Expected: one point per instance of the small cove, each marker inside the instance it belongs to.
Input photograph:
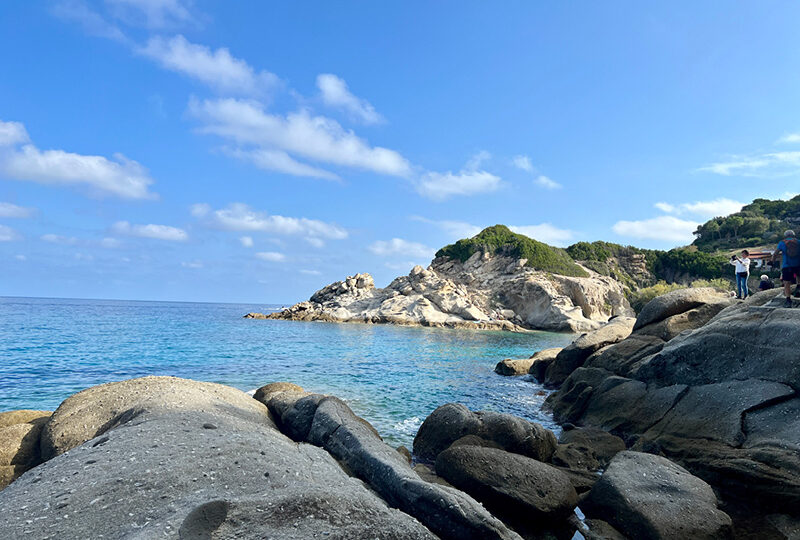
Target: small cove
(393, 376)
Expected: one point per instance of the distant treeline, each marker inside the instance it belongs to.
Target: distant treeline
(760, 223)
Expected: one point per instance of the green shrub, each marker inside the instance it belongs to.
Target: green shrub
(638, 299)
(499, 239)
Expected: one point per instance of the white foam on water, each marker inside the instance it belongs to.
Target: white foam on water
(408, 426)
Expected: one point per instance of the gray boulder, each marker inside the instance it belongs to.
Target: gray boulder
(575, 354)
(509, 484)
(676, 302)
(542, 361)
(647, 496)
(602, 444)
(197, 460)
(513, 366)
(445, 511)
(452, 421)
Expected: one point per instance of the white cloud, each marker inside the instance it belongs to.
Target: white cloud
(192, 264)
(523, 163)
(200, 209)
(790, 138)
(398, 246)
(8, 210)
(218, 68)
(546, 182)
(153, 13)
(313, 137)
(7, 234)
(120, 177)
(246, 241)
(58, 239)
(441, 186)
(271, 256)
(666, 207)
(706, 209)
(476, 162)
(240, 217)
(316, 242)
(280, 161)
(110, 243)
(13, 133)
(664, 228)
(453, 229)
(772, 164)
(158, 232)
(545, 232)
(335, 93)
(311, 272)
(92, 22)
(20, 257)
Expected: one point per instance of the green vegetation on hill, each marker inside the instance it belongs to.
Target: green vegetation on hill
(758, 224)
(499, 239)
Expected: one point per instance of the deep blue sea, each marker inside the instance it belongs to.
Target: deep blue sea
(391, 375)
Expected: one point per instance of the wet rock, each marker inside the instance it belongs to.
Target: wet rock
(509, 484)
(647, 496)
(452, 421)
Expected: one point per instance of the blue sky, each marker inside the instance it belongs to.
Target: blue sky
(178, 150)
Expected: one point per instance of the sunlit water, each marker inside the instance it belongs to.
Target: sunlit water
(392, 376)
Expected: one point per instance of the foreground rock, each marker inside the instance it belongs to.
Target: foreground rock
(535, 365)
(19, 442)
(575, 354)
(166, 457)
(518, 488)
(647, 496)
(487, 291)
(720, 397)
(327, 422)
(450, 422)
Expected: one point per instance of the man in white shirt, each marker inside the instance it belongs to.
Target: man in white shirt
(742, 273)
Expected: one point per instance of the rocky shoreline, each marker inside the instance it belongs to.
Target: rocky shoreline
(681, 423)
(488, 291)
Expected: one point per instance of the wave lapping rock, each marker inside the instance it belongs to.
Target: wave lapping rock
(487, 291)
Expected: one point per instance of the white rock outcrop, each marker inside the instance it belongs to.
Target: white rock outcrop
(485, 292)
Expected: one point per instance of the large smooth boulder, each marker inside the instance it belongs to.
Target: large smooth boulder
(197, 460)
(575, 354)
(602, 444)
(647, 496)
(92, 412)
(22, 416)
(513, 366)
(445, 511)
(509, 484)
(541, 361)
(679, 301)
(452, 421)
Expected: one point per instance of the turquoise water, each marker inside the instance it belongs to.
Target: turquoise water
(392, 376)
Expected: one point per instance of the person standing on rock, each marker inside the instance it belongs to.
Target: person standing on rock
(789, 247)
(742, 273)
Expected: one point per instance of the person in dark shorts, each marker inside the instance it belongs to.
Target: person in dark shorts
(789, 247)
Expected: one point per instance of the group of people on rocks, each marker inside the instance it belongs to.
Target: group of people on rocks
(789, 249)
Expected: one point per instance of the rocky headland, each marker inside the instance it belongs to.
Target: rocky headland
(502, 281)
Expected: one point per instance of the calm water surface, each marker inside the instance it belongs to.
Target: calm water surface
(392, 376)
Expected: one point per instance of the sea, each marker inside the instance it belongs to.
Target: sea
(393, 376)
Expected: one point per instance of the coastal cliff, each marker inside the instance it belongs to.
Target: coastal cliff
(510, 283)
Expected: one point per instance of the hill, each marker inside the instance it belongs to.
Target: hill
(760, 223)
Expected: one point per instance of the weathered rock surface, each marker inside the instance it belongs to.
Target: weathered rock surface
(359, 449)
(721, 398)
(513, 366)
(197, 460)
(542, 361)
(452, 421)
(19, 442)
(647, 496)
(575, 354)
(602, 445)
(509, 484)
(486, 292)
